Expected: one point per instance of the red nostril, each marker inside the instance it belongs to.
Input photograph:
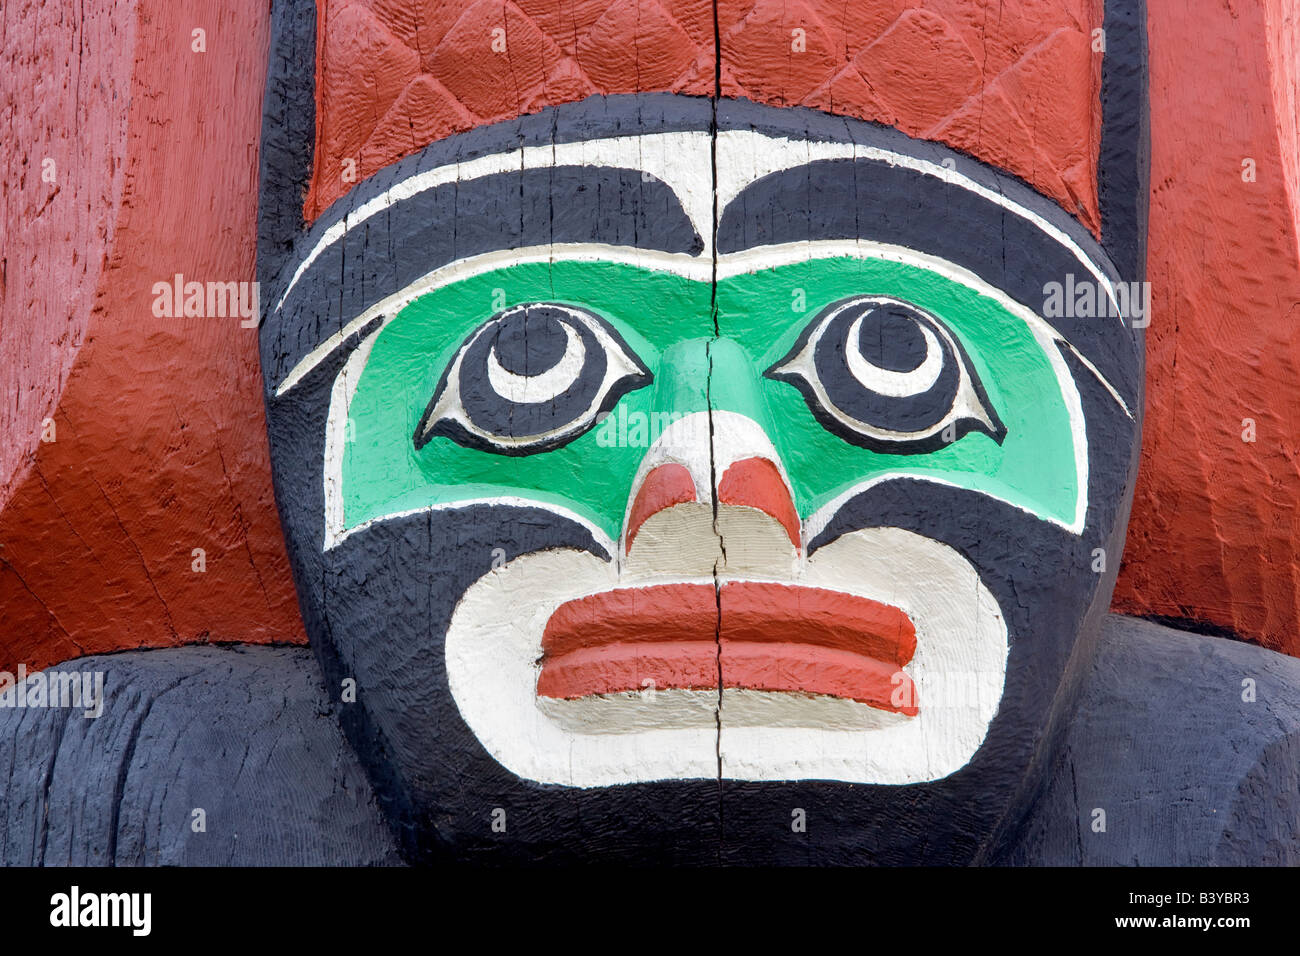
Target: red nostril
(662, 487)
(756, 483)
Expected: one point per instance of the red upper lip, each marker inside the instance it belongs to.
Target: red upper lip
(774, 637)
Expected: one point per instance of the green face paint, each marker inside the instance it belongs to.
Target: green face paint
(1034, 466)
(666, 320)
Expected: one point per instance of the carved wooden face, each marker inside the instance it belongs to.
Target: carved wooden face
(647, 467)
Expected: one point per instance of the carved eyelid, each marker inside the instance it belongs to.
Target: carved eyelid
(918, 406)
(480, 402)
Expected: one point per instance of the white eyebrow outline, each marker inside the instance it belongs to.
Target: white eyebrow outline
(667, 156)
(780, 153)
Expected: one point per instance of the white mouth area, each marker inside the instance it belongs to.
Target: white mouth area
(493, 647)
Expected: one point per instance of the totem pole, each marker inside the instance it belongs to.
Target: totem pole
(701, 434)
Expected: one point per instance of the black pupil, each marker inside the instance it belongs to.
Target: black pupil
(891, 339)
(531, 341)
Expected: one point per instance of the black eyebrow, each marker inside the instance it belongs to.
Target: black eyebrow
(500, 211)
(873, 199)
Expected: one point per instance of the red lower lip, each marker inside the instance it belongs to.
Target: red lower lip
(777, 638)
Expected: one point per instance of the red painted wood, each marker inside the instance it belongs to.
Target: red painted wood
(662, 487)
(693, 665)
(773, 637)
(53, 234)
(756, 483)
(1215, 531)
(160, 438)
(1015, 85)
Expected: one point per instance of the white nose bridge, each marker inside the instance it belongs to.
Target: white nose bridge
(684, 442)
(737, 437)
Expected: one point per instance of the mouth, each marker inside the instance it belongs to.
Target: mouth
(570, 670)
(776, 637)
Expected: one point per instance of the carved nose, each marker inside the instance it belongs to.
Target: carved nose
(673, 527)
(757, 483)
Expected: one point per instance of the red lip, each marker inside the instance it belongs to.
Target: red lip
(777, 637)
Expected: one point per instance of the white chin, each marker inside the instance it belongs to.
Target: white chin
(493, 649)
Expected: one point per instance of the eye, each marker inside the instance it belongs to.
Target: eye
(889, 376)
(530, 379)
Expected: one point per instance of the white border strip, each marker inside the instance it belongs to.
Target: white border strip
(683, 161)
